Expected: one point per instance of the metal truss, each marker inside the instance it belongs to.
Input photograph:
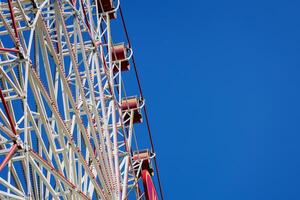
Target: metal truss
(66, 125)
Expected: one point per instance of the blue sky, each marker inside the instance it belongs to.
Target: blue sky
(221, 79)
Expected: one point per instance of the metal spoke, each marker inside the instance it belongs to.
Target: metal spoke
(66, 123)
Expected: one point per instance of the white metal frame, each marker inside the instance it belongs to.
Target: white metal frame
(62, 134)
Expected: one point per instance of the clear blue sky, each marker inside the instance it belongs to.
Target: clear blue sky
(221, 79)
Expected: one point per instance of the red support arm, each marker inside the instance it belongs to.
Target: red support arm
(12, 124)
(11, 152)
(13, 18)
(9, 50)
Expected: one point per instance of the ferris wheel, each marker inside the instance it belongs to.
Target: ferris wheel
(66, 121)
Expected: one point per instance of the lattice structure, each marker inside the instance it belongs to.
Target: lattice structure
(66, 125)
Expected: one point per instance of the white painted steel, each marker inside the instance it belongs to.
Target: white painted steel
(64, 97)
